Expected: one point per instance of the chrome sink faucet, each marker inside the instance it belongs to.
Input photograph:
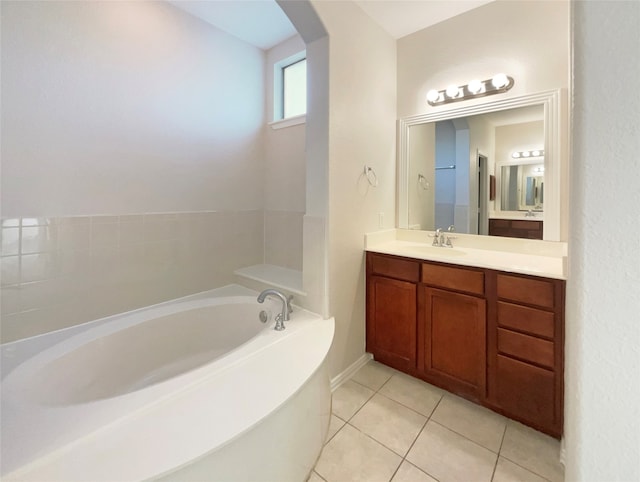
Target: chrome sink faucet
(442, 240)
(286, 306)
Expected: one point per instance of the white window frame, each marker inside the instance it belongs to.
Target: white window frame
(278, 92)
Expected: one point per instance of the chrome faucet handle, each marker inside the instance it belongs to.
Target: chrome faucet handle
(289, 303)
(436, 237)
(448, 242)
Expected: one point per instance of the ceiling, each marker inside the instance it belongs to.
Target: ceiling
(263, 23)
(403, 17)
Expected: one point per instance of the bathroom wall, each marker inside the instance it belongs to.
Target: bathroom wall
(361, 123)
(602, 413)
(527, 40)
(284, 174)
(518, 137)
(422, 195)
(132, 172)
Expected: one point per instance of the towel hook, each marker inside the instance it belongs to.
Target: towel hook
(424, 184)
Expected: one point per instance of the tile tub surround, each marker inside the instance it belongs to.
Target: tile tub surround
(525, 256)
(62, 271)
(388, 426)
(283, 239)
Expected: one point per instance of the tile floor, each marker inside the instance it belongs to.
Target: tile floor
(387, 426)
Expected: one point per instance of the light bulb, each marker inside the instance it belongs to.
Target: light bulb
(515, 155)
(525, 154)
(433, 95)
(535, 153)
(475, 86)
(499, 81)
(452, 91)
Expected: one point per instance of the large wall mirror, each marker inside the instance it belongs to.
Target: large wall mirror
(457, 167)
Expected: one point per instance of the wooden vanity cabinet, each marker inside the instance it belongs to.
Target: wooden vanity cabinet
(525, 350)
(515, 228)
(493, 337)
(452, 320)
(391, 310)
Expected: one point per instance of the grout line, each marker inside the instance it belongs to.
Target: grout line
(466, 438)
(493, 474)
(525, 468)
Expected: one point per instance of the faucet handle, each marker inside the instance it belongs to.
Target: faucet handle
(436, 237)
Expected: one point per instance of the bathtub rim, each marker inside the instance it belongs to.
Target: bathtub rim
(319, 337)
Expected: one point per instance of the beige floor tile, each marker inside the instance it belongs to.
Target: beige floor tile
(315, 478)
(410, 473)
(477, 423)
(412, 393)
(348, 399)
(507, 471)
(335, 424)
(532, 450)
(352, 456)
(393, 425)
(448, 456)
(373, 375)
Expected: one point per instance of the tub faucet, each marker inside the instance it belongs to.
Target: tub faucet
(286, 306)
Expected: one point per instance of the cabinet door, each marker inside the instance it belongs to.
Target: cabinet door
(455, 341)
(526, 392)
(391, 321)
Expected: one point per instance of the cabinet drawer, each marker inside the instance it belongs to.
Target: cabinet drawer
(526, 290)
(394, 267)
(523, 318)
(527, 225)
(458, 279)
(499, 223)
(526, 347)
(526, 392)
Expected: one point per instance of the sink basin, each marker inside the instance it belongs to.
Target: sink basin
(436, 251)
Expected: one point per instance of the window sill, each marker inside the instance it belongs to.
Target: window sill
(291, 121)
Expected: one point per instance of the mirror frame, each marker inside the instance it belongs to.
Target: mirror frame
(551, 100)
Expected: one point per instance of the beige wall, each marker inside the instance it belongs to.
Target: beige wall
(362, 81)
(284, 174)
(132, 159)
(602, 394)
(422, 162)
(526, 40)
(126, 107)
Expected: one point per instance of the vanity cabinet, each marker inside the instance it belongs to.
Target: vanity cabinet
(525, 356)
(492, 337)
(452, 320)
(391, 310)
(515, 228)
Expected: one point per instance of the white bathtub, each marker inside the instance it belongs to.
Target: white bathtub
(193, 389)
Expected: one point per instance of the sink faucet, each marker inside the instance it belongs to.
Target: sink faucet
(286, 306)
(441, 240)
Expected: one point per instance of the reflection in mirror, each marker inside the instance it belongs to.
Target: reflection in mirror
(449, 163)
(522, 187)
(494, 131)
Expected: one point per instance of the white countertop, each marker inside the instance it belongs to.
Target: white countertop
(532, 257)
(517, 215)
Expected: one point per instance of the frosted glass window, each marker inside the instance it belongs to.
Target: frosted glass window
(294, 86)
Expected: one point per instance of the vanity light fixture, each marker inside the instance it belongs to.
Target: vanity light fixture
(476, 88)
(525, 154)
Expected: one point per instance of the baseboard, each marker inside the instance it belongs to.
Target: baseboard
(351, 369)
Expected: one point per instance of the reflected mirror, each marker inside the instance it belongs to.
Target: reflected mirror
(522, 187)
(458, 168)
